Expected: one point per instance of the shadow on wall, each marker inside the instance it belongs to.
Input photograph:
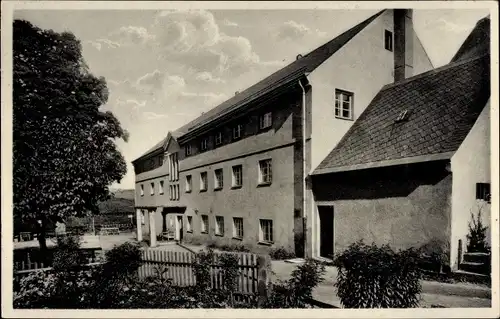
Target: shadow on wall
(377, 183)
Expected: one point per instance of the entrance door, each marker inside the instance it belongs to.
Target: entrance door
(326, 231)
(178, 228)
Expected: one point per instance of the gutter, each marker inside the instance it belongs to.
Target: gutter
(304, 174)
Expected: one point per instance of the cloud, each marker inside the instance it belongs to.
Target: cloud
(131, 35)
(130, 102)
(160, 83)
(292, 30)
(229, 23)
(208, 77)
(154, 116)
(99, 44)
(208, 98)
(450, 26)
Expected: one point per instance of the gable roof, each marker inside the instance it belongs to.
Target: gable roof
(442, 106)
(294, 70)
(477, 42)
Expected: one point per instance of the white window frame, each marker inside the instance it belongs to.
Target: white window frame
(218, 183)
(265, 178)
(205, 226)
(237, 130)
(204, 144)
(142, 189)
(160, 187)
(188, 149)
(237, 182)
(219, 225)
(340, 102)
(152, 188)
(264, 236)
(266, 120)
(189, 224)
(203, 181)
(189, 183)
(218, 138)
(236, 228)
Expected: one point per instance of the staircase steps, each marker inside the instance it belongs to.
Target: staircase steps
(478, 263)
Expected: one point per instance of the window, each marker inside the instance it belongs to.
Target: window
(173, 167)
(483, 191)
(388, 40)
(204, 224)
(266, 230)
(189, 183)
(171, 192)
(219, 225)
(218, 138)
(237, 180)
(188, 149)
(237, 227)
(142, 190)
(265, 172)
(189, 226)
(203, 181)
(219, 179)
(237, 131)
(204, 144)
(343, 104)
(266, 120)
(160, 187)
(152, 187)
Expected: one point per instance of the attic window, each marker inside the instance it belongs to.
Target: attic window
(403, 116)
(299, 56)
(483, 192)
(388, 40)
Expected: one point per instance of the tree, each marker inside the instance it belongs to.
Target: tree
(64, 151)
(476, 239)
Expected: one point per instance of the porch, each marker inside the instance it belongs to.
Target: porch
(160, 225)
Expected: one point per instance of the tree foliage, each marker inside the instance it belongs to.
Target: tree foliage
(64, 151)
(476, 238)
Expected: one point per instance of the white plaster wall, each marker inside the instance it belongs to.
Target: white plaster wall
(470, 165)
(363, 66)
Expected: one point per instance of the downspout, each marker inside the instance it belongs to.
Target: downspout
(304, 173)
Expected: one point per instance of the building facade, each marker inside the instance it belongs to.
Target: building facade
(238, 173)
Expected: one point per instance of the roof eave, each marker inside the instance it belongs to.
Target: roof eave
(387, 163)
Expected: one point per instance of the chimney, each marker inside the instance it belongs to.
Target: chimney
(403, 44)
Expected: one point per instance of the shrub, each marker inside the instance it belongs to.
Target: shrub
(476, 238)
(377, 277)
(68, 254)
(297, 291)
(235, 247)
(436, 254)
(281, 253)
(124, 259)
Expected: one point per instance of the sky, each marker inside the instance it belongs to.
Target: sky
(164, 68)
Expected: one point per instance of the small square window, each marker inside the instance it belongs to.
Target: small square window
(218, 138)
(152, 188)
(266, 230)
(266, 120)
(188, 149)
(344, 104)
(219, 225)
(203, 181)
(189, 225)
(483, 192)
(237, 131)
(142, 190)
(204, 144)
(204, 224)
(218, 179)
(388, 40)
(265, 172)
(160, 187)
(238, 227)
(189, 183)
(237, 178)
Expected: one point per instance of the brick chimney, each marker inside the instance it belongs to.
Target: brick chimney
(403, 44)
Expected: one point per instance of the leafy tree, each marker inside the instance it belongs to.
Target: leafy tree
(64, 148)
(476, 239)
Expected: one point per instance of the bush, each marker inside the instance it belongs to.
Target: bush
(377, 277)
(297, 291)
(476, 238)
(68, 254)
(281, 253)
(435, 256)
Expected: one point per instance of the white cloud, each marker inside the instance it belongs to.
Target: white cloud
(229, 23)
(293, 30)
(154, 116)
(208, 98)
(130, 35)
(99, 44)
(131, 102)
(208, 77)
(450, 26)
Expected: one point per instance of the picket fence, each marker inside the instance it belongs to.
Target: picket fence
(178, 266)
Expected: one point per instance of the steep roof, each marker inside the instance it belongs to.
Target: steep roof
(304, 65)
(442, 105)
(477, 43)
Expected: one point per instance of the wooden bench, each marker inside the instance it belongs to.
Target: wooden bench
(168, 235)
(110, 231)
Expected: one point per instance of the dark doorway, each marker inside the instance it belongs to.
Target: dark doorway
(164, 222)
(326, 231)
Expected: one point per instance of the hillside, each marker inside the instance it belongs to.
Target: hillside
(121, 203)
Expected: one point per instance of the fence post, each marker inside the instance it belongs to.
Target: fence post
(459, 252)
(263, 268)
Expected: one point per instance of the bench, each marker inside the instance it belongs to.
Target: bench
(168, 235)
(110, 231)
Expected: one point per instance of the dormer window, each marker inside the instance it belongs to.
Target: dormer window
(204, 144)
(237, 131)
(218, 138)
(388, 40)
(344, 104)
(266, 120)
(188, 149)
